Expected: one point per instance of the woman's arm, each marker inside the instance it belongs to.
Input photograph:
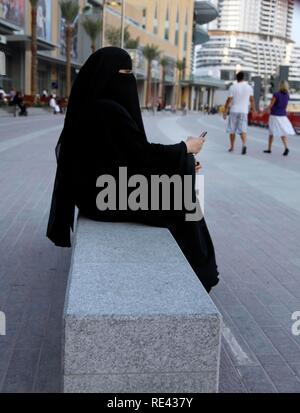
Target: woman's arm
(136, 150)
(272, 103)
(227, 106)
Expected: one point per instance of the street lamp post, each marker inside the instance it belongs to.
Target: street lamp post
(103, 23)
(114, 3)
(123, 23)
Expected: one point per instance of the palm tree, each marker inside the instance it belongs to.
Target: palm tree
(164, 62)
(180, 66)
(34, 62)
(151, 52)
(69, 12)
(113, 37)
(92, 28)
(132, 43)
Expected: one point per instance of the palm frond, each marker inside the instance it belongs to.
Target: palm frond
(113, 36)
(180, 65)
(151, 52)
(164, 62)
(34, 3)
(69, 10)
(92, 27)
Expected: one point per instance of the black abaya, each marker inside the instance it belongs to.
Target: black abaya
(105, 133)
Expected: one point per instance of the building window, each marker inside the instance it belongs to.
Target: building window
(185, 33)
(167, 24)
(185, 42)
(177, 29)
(155, 23)
(144, 18)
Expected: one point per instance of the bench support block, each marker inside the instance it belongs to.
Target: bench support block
(136, 317)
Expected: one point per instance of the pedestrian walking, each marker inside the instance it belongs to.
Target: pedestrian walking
(12, 93)
(104, 131)
(237, 104)
(2, 95)
(279, 124)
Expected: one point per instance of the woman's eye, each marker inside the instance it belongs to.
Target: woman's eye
(125, 71)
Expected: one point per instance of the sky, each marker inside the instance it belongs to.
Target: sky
(296, 23)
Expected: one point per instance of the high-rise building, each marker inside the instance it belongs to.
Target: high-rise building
(253, 36)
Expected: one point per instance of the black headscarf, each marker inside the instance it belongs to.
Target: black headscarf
(99, 78)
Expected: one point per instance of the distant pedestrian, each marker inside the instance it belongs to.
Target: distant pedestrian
(19, 101)
(53, 104)
(184, 109)
(12, 94)
(2, 95)
(279, 124)
(240, 96)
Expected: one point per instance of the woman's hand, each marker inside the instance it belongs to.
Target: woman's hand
(198, 166)
(194, 145)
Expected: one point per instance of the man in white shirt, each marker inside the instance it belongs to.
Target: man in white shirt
(53, 104)
(240, 97)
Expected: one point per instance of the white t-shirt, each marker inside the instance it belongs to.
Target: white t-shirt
(240, 93)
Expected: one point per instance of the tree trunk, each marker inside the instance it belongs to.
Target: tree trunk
(34, 62)
(179, 89)
(148, 94)
(69, 34)
(93, 47)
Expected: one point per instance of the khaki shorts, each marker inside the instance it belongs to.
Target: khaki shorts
(237, 123)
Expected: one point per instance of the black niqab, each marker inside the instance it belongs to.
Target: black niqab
(99, 78)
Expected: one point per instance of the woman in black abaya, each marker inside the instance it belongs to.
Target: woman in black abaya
(104, 131)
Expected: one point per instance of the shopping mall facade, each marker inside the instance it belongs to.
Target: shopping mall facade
(175, 26)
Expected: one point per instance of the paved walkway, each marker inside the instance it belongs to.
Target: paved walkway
(252, 207)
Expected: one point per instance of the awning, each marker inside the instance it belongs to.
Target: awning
(205, 81)
(200, 35)
(8, 28)
(19, 39)
(205, 12)
(57, 60)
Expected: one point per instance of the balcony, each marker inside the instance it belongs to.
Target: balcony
(200, 35)
(205, 12)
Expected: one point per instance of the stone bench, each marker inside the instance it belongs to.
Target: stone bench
(136, 317)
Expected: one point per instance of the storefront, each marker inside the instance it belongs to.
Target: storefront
(17, 46)
(12, 20)
(199, 91)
